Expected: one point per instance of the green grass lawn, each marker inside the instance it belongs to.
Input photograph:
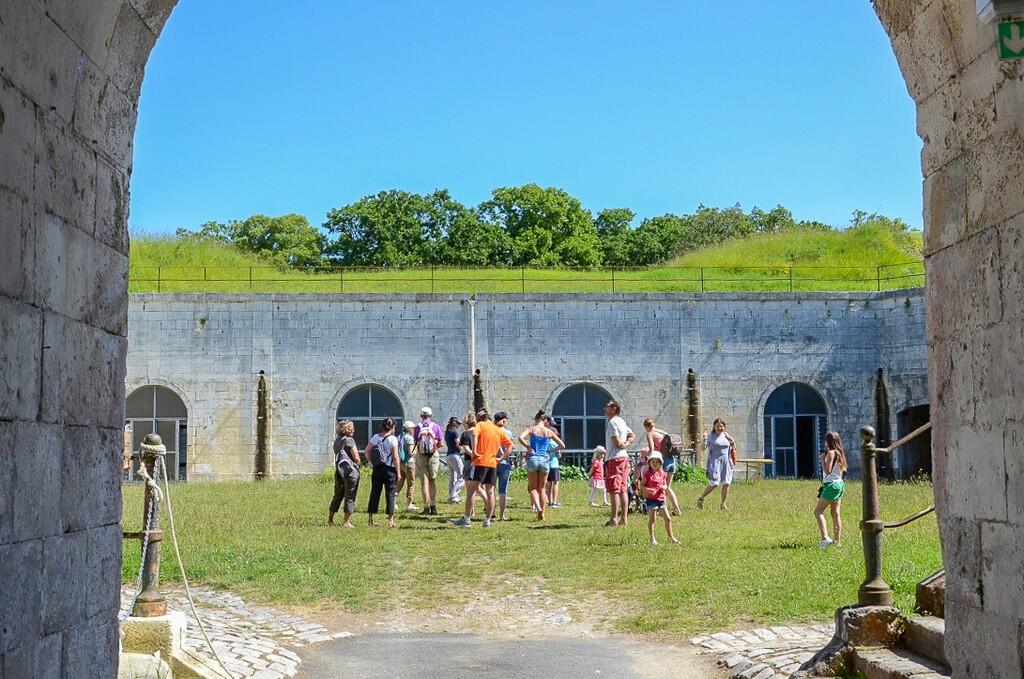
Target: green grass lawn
(856, 260)
(756, 564)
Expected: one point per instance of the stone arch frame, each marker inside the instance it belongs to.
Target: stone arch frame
(823, 391)
(601, 384)
(134, 385)
(342, 391)
(70, 95)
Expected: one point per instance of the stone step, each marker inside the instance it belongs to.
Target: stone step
(931, 595)
(925, 635)
(897, 663)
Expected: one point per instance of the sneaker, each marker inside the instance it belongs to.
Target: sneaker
(556, 505)
(654, 543)
(825, 544)
(594, 504)
(487, 523)
(411, 507)
(433, 510)
(426, 510)
(462, 522)
(674, 541)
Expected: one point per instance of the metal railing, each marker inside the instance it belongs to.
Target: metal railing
(449, 280)
(874, 591)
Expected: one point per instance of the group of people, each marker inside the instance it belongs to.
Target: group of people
(479, 460)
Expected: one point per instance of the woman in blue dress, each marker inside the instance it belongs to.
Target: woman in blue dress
(721, 448)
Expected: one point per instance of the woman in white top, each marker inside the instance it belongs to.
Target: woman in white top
(833, 464)
(721, 448)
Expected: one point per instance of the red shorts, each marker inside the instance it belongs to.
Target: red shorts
(616, 475)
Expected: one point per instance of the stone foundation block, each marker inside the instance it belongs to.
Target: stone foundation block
(163, 633)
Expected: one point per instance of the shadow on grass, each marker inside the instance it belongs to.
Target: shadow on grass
(552, 526)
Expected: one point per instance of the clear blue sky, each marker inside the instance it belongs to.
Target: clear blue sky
(259, 106)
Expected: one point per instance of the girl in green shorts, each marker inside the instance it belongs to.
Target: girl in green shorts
(833, 464)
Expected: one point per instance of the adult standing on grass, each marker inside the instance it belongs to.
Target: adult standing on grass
(555, 467)
(466, 446)
(346, 473)
(505, 466)
(490, 444)
(407, 451)
(453, 459)
(830, 495)
(721, 458)
(537, 441)
(618, 438)
(428, 441)
(383, 454)
(659, 440)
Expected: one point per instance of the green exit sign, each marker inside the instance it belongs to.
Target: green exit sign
(1011, 40)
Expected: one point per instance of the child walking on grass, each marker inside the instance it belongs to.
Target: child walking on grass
(653, 483)
(597, 477)
(830, 495)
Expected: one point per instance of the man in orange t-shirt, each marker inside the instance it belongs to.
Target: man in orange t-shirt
(490, 447)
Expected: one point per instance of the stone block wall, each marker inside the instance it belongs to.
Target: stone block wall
(971, 120)
(69, 80)
(211, 349)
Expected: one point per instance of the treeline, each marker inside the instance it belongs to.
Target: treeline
(518, 226)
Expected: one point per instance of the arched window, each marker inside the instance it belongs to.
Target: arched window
(795, 422)
(579, 412)
(157, 409)
(367, 405)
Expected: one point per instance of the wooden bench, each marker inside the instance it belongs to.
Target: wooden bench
(759, 464)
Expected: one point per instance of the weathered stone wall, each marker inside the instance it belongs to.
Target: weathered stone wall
(69, 80)
(314, 348)
(971, 119)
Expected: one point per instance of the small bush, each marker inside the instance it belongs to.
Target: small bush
(689, 473)
(326, 476)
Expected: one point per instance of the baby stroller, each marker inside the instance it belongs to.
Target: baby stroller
(636, 503)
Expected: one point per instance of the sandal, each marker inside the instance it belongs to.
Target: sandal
(700, 503)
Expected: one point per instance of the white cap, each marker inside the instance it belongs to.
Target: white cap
(655, 456)
(425, 411)
(600, 449)
(408, 425)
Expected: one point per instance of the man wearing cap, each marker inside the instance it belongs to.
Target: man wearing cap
(407, 456)
(428, 437)
(491, 446)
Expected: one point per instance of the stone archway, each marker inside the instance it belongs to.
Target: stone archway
(70, 75)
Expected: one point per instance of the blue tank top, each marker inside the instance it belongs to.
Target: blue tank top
(539, 446)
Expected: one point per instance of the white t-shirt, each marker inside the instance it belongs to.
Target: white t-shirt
(616, 426)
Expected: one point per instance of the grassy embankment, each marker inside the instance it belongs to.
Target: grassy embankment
(804, 261)
(756, 564)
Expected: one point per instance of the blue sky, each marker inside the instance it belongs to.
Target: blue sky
(259, 106)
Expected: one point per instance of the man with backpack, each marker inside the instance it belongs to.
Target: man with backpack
(428, 437)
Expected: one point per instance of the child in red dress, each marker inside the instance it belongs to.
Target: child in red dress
(597, 477)
(653, 482)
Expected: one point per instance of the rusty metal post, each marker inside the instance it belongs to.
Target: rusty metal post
(693, 415)
(873, 591)
(150, 602)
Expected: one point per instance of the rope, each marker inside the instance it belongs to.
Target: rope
(184, 578)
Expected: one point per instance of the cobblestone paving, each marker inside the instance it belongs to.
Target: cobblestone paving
(767, 652)
(252, 641)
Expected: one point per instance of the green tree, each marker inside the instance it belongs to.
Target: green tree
(288, 240)
(545, 226)
(385, 229)
(617, 237)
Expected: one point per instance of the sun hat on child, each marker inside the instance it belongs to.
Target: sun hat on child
(408, 425)
(655, 456)
(600, 449)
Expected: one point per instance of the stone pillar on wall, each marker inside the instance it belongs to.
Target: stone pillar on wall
(971, 120)
(69, 80)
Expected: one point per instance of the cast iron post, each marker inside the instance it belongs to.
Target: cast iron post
(150, 602)
(873, 591)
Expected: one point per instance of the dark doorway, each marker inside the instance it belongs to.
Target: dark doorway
(795, 421)
(915, 456)
(806, 447)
